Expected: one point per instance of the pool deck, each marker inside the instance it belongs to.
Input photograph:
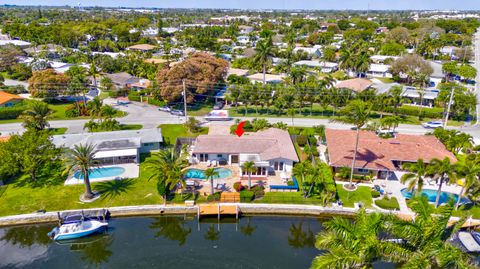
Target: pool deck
(204, 185)
(132, 170)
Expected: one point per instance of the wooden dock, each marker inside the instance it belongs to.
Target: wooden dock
(218, 210)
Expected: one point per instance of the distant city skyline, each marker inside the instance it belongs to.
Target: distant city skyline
(266, 4)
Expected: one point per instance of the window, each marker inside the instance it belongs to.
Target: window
(360, 170)
(219, 155)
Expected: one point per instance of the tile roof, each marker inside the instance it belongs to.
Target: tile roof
(4, 138)
(269, 144)
(141, 47)
(377, 153)
(6, 97)
(355, 84)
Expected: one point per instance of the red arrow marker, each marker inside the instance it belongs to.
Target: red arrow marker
(240, 130)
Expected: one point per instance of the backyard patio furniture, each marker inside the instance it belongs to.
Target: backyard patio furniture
(220, 187)
(209, 163)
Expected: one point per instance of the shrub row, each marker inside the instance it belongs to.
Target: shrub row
(8, 113)
(428, 112)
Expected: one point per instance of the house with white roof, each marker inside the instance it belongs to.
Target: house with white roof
(269, 78)
(380, 59)
(315, 51)
(271, 150)
(379, 71)
(118, 147)
(325, 67)
(22, 44)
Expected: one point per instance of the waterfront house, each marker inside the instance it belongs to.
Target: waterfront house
(8, 99)
(118, 147)
(271, 150)
(382, 157)
(122, 80)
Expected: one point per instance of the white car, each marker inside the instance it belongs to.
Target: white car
(432, 124)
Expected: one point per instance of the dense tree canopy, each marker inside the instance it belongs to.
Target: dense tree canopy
(201, 72)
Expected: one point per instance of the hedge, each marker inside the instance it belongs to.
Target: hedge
(388, 203)
(428, 112)
(246, 196)
(8, 113)
(375, 194)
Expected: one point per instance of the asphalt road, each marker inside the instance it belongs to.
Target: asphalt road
(150, 117)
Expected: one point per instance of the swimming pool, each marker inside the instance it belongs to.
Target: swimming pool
(200, 174)
(103, 172)
(432, 195)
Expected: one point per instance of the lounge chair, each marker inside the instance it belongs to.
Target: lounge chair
(214, 163)
(220, 187)
(209, 163)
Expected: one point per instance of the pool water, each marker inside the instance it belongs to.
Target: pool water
(432, 196)
(200, 174)
(103, 172)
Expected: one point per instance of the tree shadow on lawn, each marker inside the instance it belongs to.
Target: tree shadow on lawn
(112, 189)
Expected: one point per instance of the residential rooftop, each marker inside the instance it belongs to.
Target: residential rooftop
(269, 144)
(377, 153)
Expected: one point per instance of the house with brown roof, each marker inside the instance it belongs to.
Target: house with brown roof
(8, 99)
(142, 47)
(381, 156)
(356, 84)
(271, 150)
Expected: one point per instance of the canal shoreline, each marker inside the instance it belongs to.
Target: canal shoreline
(159, 210)
(244, 208)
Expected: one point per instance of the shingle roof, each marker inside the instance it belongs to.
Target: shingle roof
(269, 144)
(377, 153)
(356, 84)
(6, 97)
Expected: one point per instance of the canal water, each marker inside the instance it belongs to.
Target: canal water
(169, 242)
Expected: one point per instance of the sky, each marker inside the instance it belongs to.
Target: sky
(266, 4)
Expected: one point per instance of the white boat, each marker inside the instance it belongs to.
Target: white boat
(77, 229)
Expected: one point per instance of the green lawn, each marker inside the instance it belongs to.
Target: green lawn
(199, 111)
(21, 199)
(58, 131)
(362, 194)
(318, 112)
(124, 127)
(170, 132)
(287, 198)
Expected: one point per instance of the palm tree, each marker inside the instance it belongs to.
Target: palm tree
(443, 169)
(166, 167)
(35, 117)
(416, 176)
(94, 107)
(391, 122)
(357, 243)
(264, 52)
(357, 113)
(396, 98)
(81, 159)
(210, 173)
(249, 167)
(469, 170)
(427, 237)
(300, 171)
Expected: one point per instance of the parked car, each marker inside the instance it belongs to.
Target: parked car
(177, 112)
(165, 109)
(432, 124)
(218, 105)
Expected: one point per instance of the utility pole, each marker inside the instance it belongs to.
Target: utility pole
(448, 108)
(184, 99)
